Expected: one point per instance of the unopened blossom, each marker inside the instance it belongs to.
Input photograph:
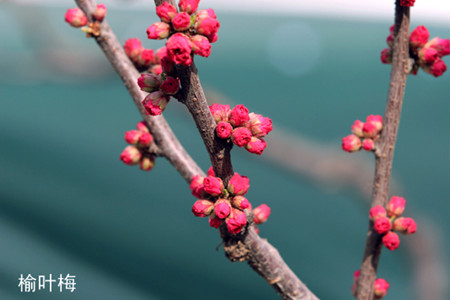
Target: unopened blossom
(156, 69)
(189, 6)
(145, 58)
(357, 128)
(159, 54)
(167, 65)
(155, 103)
(382, 225)
(179, 49)
(368, 144)
(419, 37)
(240, 202)
(201, 45)
(376, 120)
(236, 221)
(356, 275)
(391, 240)
(370, 130)
(196, 186)
(170, 86)
(256, 145)
(259, 125)
(407, 2)
(147, 163)
(214, 221)
(181, 21)
(437, 68)
(149, 82)
(166, 12)
(132, 136)
(386, 56)
(351, 143)
(145, 139)
(158, 31)
(442, 46)
(377, 212)
(428, 55)
(206, 25)
(220, 112)
(239, 115)
(238, 185)
(405, 225)
(390, 40)
(76, 17)
(213, 185)
(380, 288)
(261, 214)
(133, 48)
(202, 208)
(131, 155)
(224, 130)
(141, 126)
(100, 12)
(395, 206)
(241, 136)
(222, 208)
(210, 172)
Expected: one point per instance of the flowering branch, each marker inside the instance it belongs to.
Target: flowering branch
(260, 255)
(385, 149)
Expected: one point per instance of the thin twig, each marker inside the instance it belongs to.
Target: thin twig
(383, 166)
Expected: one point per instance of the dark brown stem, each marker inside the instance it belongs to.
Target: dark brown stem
(399, 73)
(261, 256)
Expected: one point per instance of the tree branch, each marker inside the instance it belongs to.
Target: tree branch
(383, 166)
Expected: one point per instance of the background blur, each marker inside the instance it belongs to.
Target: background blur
(68, 205)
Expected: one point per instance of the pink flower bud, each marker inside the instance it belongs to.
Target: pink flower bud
(196, 186)
(155, 103)
(222, 208)
(377, 212)
(149, 82)
(210, 172)
(351, 143)
(407, 2)
(368, 144)
(147, 163)
(160, 54)
(132, 136)
(376, 120)
(390, 40)
(166, 12)
(145, 58)
(419, 37)
(167, 65)
(386, 56)
(213, 185)
(238, 185)
(428, 55)
(179, 49)
(405, 225)
(241, 136)
(76, 17)
(212, 38)
(240, 202)
(220, 112)
(259, 126)
(201, 45)
(189, 6)
(206, 13)
(141, 126)
(239, 115)
(202, 208)
(370, 130)
(391, 240)
(156, 69)
(131, 155)
(256, 145)
(356, 275)
(145, 139)
(181, 21)
(100, 12)
(380, 288)
(206, 25)
(382, 225)
(158, 31)
(133, 48)
(236, 221)
(223, 130)
(437, 68)
(261, 213)
(442, 46)
(357, 128)
(396, 206)
(214, 221)
(170, 86)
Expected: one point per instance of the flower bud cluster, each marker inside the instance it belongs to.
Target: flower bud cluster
(142, 58)
(426, 54)
(365, 134)
(386, 221)
(407, 2)
(188, 31)
(76, 17)
(380, 286)
(224, 204)
(245, 129)
(136, 152)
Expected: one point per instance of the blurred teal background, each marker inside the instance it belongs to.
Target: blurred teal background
(68, 205)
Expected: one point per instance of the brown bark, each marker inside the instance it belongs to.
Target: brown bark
(385, 149)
